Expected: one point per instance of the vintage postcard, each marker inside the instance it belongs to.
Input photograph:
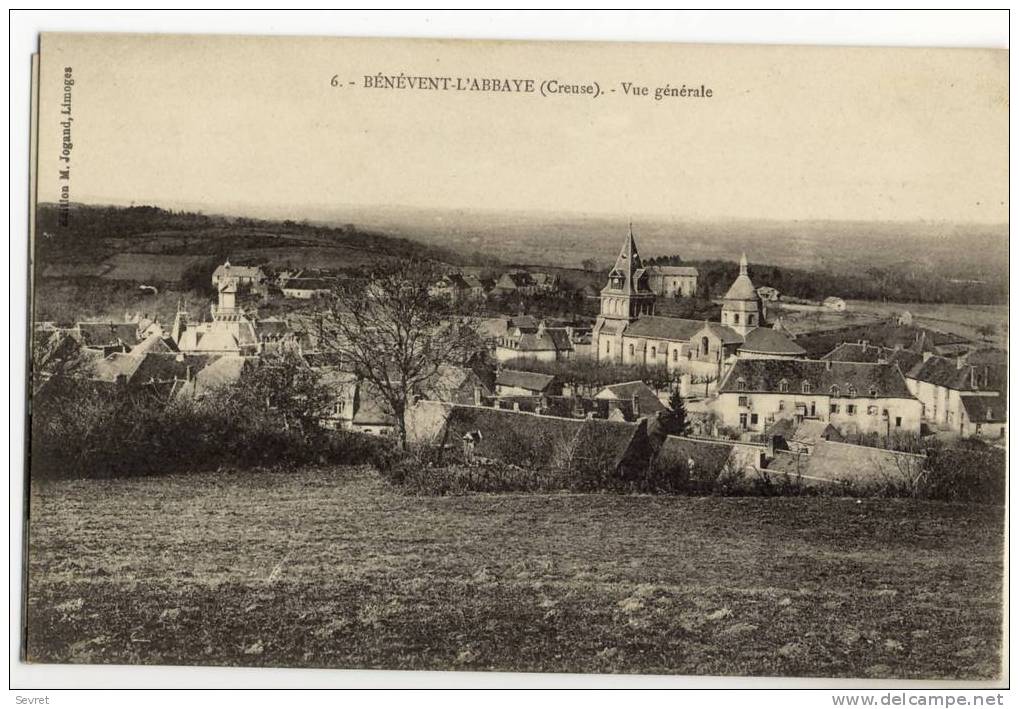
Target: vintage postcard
(519, 356)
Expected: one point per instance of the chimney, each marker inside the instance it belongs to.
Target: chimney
(636, 406)
(477, 395)
(180, 357)
(516, 406)
(987, 374)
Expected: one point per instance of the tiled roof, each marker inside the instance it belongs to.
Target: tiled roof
(704, 459)
(766, 375)
(985, 409)
(947, 373)
(836, 462)
(764, 340)
(232, 271)
(741, 289)
(860, 352)
(647, 399)
(660, 328)
(726, 334)
(531, 381)
(105, 334)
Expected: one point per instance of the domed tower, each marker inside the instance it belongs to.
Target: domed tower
(742, 308)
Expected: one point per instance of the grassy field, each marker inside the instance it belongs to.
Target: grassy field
(333, 568)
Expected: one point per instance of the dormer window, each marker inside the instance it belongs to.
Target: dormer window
(834, 390)
(783, 386)
(852, 392)
(873, 392)
(805, 387)
(741, 384)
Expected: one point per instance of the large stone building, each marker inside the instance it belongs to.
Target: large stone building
(854, 397)
(673, 281)
(627, 330)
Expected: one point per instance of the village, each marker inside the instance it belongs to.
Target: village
(752, 390)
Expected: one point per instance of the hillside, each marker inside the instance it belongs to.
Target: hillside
(149, 243)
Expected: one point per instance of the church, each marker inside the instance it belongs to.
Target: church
(627, 330)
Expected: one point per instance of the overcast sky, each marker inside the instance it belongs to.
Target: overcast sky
(790, 133)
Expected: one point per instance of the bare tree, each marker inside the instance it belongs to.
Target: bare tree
(393, 333)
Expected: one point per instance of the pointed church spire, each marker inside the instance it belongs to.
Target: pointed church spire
(743, 265)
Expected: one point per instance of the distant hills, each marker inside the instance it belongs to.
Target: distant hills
(892, 261)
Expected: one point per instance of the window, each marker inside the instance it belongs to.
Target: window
(884, 412)
(873, 392)
(805, 388)
(631, 350)
(750, 319)
(783, 386)
(753, 419)
(834, 390)
(781, 406)
(608, 346)
(851, 409)
(872, 411)
(675, 355)
(735, 318)
(744, 401)
(852, 392)
(741, 384)
(654, 352)
(898, 422)
(833, 409)
(743, 421)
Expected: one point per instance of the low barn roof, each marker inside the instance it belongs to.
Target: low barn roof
(700, 456)
(764, 340)
(531, 381)
(985, 409)
(647, 399)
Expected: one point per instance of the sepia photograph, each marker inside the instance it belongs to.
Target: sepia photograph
(600, 358)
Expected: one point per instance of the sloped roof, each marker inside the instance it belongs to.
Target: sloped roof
(944, 372)
(451, 384)
(834, 462)
(221, 372)
(371, 407)
(661, 328)
(765, 375)
(154, 343)
(504, 431)
(861, 352)
(987, 355)
(116, 365)
(764, 340)
(648, 400)
(741, 289)
(106, 334)
(985, 409)
(230, 270)
(701, 457)
(218, 340)
(531, 381)
(726, 334)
